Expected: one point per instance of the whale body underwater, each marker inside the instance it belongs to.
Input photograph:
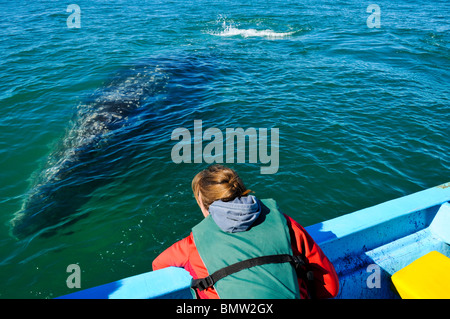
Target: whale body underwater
(129, 104)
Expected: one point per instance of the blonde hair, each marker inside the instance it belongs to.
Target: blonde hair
(218, 182)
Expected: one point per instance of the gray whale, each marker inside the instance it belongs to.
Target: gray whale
(85, 157)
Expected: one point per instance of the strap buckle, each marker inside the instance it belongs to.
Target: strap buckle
(202, 283)
(298, 262)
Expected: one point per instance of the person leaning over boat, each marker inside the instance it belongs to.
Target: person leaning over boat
(237, 227)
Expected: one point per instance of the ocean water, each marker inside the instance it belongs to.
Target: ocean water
(87, 114)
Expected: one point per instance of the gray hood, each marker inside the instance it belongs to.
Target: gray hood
(236, 215)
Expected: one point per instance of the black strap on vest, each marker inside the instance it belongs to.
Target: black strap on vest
(297, 261)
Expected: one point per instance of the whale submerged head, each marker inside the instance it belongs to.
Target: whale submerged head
(28, 220)
(52, 203)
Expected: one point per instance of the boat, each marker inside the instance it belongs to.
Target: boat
(366, 247)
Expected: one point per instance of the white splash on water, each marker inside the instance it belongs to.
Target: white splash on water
(246, 33)
(230, 30)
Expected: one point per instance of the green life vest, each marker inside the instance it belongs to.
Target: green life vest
(269, 235)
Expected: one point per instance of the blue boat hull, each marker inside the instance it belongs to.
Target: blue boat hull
(366, 248)
(380, 240)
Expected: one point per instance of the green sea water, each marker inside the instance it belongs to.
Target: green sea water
(362, 115)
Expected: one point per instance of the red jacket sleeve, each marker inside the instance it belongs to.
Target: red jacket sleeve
(176, 255)
(184, 254)
(325, 277)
